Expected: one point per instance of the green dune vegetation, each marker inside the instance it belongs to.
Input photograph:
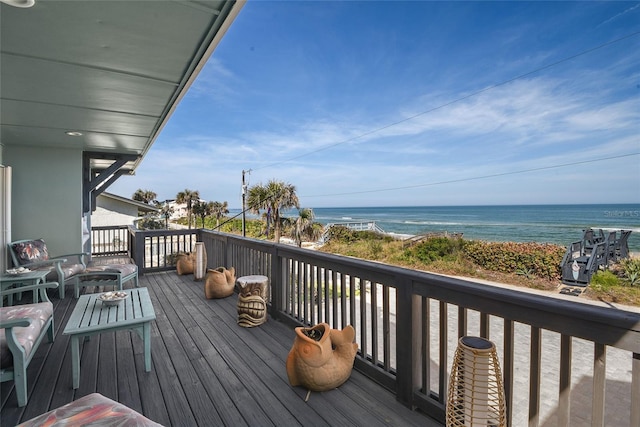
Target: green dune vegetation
(531, 265)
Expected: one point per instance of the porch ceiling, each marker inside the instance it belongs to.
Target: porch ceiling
(111, 70)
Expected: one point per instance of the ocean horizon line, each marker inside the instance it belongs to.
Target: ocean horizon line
(463, 206)
(547, 223)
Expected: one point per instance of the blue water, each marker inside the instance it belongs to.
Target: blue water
(559, 224)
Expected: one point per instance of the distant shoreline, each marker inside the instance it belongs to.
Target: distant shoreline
(559, 224)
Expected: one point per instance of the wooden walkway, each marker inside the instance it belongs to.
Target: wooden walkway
(207, 371)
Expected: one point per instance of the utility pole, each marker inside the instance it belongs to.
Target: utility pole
(244, 198)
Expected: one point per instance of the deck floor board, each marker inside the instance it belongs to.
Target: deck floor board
(206, 370)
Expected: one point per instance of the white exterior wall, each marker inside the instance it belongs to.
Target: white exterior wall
(179, 210)
(112, 212)
(102, 217)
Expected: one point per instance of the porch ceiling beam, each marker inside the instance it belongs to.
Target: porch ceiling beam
(95, 182)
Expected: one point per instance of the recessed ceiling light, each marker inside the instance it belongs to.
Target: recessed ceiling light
(73, 133)
(19, 3)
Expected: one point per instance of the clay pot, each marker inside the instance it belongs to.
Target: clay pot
(219, 282)
(321, 358)
(185, 263)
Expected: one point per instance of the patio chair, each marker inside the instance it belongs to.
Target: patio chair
(590, 238)
(622, 245)
(610, 247)
(22, 329)
(115, 275)
(34, 255)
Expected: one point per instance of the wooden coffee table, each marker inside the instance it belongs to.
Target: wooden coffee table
(91, 317)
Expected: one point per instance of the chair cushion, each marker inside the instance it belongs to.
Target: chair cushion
(124, 269)
(93, 409)
(39, 313)
(69, 269)
(31, 251)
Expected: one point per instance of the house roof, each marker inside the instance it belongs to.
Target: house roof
(112, 71)
(140, 205)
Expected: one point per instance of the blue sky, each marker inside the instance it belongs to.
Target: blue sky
(382, 103)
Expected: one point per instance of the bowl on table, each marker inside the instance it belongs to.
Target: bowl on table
(113, 298)
(16, 271)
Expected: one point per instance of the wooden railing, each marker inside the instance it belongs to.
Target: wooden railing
(110, 240)
(408, 323)
(155, 250)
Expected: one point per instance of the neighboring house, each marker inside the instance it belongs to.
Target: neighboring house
(179, 209)
(116, 210)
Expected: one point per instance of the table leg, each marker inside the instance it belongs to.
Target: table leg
(146, 333)
(75, 360)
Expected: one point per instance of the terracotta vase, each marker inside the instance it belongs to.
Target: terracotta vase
(185, 263)
(321, 358)
(219, 282)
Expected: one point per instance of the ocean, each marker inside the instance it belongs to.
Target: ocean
(559, 224)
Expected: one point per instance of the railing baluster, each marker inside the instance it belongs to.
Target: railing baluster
(386, 328)
(444, 344)
(462, 322)
(363, 317)
(297, 294)
(327, 295)
(334, 297)
(534, 377)
(319, 295)
(484, 325)
(564, 396)
(599, 376)
(374, 324)
(352, 302)
(635, 389)
(507, 369)
(309, 311)
(426, 346)
(343, 301)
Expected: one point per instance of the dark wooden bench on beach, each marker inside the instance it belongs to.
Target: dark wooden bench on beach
(596, 250)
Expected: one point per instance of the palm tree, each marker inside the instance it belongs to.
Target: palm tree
(188, 197)
(219, 210)
(144, 196)
(166, 211)
(274, 197)
(304, 227)
(203, 210)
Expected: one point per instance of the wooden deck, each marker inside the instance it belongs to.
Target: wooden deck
(207, 371)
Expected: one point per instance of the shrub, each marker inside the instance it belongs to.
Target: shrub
(529, 259)
(604, 280)
(253, 227)
(342, 234)
(435, 248)
(631, 271)
(147, 223)
(375, 248)
(339, 233)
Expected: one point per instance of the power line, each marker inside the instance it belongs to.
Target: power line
(463, 98)
(451, 181)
